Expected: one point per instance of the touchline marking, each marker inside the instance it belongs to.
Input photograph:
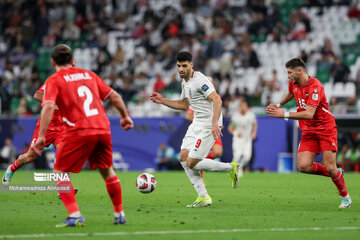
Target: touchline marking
(49, 235)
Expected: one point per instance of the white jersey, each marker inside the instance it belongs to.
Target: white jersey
(197, 90)
(243, 124)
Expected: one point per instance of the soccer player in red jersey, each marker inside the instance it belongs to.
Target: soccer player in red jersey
(79, 93)
(316, 122)
(53, 135)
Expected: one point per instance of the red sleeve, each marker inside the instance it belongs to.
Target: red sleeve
(52, 91)
(42, 89)
(104, 89)
(315, 95)
(291, 87)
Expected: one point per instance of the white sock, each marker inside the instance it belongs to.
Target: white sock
(196, 180)
(117, 214)
(212, 166)
(75, 214)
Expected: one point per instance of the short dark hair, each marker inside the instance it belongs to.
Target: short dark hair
(184, 56)
(295, 62)
(62, 55)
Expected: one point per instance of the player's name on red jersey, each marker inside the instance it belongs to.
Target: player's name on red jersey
(77, 77)
(79, 94)
(313, 94)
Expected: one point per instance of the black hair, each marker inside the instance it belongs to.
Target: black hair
(295, 62)
(184, 56)
(62, 55)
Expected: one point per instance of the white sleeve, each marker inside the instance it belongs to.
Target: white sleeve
(204, 86)
(182, 90)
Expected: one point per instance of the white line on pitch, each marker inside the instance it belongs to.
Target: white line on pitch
(49, 235)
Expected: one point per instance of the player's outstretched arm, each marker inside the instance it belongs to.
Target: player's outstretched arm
(125, 121)
(176, 104)
(303, 115)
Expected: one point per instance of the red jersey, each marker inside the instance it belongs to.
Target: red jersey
(313, 94)
(56, 123)
(78, 94)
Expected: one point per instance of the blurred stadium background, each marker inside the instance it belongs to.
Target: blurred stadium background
(242, 44)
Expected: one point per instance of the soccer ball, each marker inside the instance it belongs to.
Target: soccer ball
(146, 183)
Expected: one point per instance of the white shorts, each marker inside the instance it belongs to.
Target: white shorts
(198, 140)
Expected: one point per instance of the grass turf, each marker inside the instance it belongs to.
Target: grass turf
(262, 201)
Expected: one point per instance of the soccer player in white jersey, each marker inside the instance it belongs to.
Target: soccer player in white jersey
(200, 94)
(243, 127)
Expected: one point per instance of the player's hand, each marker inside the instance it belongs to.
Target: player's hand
(126, 123)
(272, 106)
(216, 131)
(275, 112)
(156, 97)
(39, 145)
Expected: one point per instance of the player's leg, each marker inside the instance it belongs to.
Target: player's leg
(113, 188)
(23, 159)
(196, 161)
(305, 161)
(203, 198)
(329, 158)
(309, 147)
(70, 157)
(188, 143)
(75, 218)
(245, 152)
(101, 158)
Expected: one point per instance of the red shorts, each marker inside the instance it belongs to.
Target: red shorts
(51, 137)
(318, 142)
(218, 142)
(75, 150)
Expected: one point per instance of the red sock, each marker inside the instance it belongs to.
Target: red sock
(15, 166)
(319, 169)
(68, 198)
(210, 155)
(340, 184)
(114, 189)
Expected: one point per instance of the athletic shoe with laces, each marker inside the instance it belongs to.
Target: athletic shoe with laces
(345, 202)
(7, 176)
(233, 174)
(72, 222)
(120, 220)
(201, 202)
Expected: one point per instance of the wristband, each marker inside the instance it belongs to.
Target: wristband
(286, 115)
(278, 105)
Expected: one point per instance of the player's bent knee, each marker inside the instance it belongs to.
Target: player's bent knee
(191, 164)
(305, 168)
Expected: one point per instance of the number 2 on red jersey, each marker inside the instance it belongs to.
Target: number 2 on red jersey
(85, 91)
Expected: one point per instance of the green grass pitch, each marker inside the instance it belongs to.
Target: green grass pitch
(264, 206)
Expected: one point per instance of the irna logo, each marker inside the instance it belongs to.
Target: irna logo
(52, 177)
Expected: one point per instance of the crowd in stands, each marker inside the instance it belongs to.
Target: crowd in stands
(132, 44)
(242, 44)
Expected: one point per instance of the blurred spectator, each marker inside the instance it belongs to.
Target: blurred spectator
(174, 86)
(159, 84)
(339, 71)
(352, 159)
(165, 158)
(354, 12)
(7, 153)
